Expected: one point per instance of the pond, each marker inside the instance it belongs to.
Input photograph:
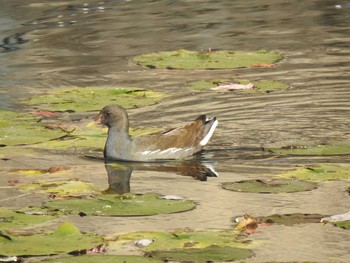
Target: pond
(60, 44)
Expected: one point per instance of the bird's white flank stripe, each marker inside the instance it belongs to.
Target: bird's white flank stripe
(207, 137)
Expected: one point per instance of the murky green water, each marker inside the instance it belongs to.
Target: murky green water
(79, 44)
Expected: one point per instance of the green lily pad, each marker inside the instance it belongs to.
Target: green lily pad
(321, 172)
(103, 258)
(181, 239)
(121, 205)
(224, 59)
(260, 86)
(66, 238)
(343, 224)
(273, 186)
(17, 128)
(11, 218)
(331, 148)
(292, 219)
(60, 188)
(179, 245)
(94, 98)
(208, 254)
(93, 137)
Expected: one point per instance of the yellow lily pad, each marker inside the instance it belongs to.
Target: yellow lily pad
(320, 172)
(60, 188)
(65, 239)
(223, 59)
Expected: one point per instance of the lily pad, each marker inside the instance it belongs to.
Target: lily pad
(320, 172)
(60, 188)
(94, 98)
(292, 219)
(273, 186)
(10, 218)
(204, 246)
(223, 59)
(343, 224)
(331, 148)
(121, 205)
(66, 238)
(182, 238)
(259, 86)
(208, 254)
(103, 258)
(93, 137)
(21, 128)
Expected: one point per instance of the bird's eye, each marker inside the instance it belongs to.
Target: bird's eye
(107, 113)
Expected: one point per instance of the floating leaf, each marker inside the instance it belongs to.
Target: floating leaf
(181, 239)
(66, 238)
(94, 98)
(224, 59)
(269, 186)
(331, 148)
(16, 129)
(241, 86)
(94, 137)
(344, 224)
(11, 218)
(60, 188)
(320, 172)
(208, 254)
(103, 259)
(121, 205)
(292, 219)
(188, 245)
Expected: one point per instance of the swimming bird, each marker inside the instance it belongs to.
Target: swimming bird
(174, 143)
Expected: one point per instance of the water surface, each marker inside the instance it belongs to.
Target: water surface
(80, 43)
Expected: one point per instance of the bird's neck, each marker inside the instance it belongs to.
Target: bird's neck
(118, 144)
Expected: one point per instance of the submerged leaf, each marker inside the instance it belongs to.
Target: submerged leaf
(269, 186)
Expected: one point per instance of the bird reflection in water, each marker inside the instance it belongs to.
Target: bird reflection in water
(119, 173)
